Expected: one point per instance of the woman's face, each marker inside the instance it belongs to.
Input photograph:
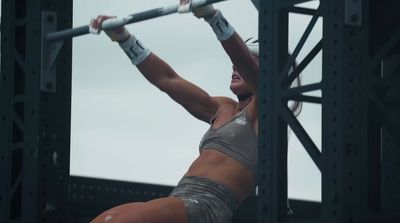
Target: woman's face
(238, 86)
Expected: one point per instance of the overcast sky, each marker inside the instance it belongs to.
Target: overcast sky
(126, 129)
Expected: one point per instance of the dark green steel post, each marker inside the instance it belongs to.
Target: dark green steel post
(360, 124)
(34, 143)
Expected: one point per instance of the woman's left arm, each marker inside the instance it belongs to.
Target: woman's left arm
(245, 62)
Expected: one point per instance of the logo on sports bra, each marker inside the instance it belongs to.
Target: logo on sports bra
(241, 120)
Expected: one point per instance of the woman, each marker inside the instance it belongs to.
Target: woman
(224, 173)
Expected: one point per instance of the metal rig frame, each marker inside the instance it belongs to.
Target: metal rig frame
(360, 155)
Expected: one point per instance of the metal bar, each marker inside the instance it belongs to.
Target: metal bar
(133, 18)
(387, 81)
(303, 11)
(390, 184)
(20, 61)
(305, 98)
(17, 120)
(302, 89)
(300, 45)
(387, 120)
(346, 115)
(264, 207)
(330, 123)
(17, 182)
(49, 53)
(288, 3)
(310, 56)
(272, 169)
(303, 136)
(386, 48)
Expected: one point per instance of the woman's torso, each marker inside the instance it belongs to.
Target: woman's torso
(224, 169)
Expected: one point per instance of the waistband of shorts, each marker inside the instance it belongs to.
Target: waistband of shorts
(202, 185)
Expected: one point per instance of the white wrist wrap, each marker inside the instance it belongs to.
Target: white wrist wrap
(221, 27)
(135, 50)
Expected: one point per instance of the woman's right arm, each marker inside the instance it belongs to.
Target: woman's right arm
(194, 99)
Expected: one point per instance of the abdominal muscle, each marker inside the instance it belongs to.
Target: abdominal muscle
(222, 169)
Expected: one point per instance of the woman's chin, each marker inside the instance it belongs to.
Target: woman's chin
(236, 91)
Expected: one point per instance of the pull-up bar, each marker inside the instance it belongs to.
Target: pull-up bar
(137, 17)
(52, 39)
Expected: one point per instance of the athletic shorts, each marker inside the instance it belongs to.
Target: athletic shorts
(205, 201)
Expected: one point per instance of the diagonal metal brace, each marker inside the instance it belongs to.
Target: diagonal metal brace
(50, 51)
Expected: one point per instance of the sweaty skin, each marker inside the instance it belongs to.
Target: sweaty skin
(215, 166)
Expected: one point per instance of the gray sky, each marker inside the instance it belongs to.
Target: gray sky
(126, 129)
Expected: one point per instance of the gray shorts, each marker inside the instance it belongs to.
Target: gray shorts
(205, 200)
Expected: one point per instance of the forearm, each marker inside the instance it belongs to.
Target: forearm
(242, 58)
(153, 68)
(245, 62)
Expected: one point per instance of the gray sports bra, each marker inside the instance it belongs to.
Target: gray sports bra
(236, 139)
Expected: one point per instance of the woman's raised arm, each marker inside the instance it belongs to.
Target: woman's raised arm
(194, 99)
(244, 61)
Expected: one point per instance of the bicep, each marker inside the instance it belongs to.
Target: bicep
(194, 99)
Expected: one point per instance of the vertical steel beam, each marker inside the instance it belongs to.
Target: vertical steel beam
(273, 28)
(341, 99)
(7, 36)
(360, 123)
(385, 99)
(390, 177)
(351, 126)
(12, 109)
(274, 92)
(34, 141)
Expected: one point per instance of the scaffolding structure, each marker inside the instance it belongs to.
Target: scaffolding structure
(360, 156)
(359, 160)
